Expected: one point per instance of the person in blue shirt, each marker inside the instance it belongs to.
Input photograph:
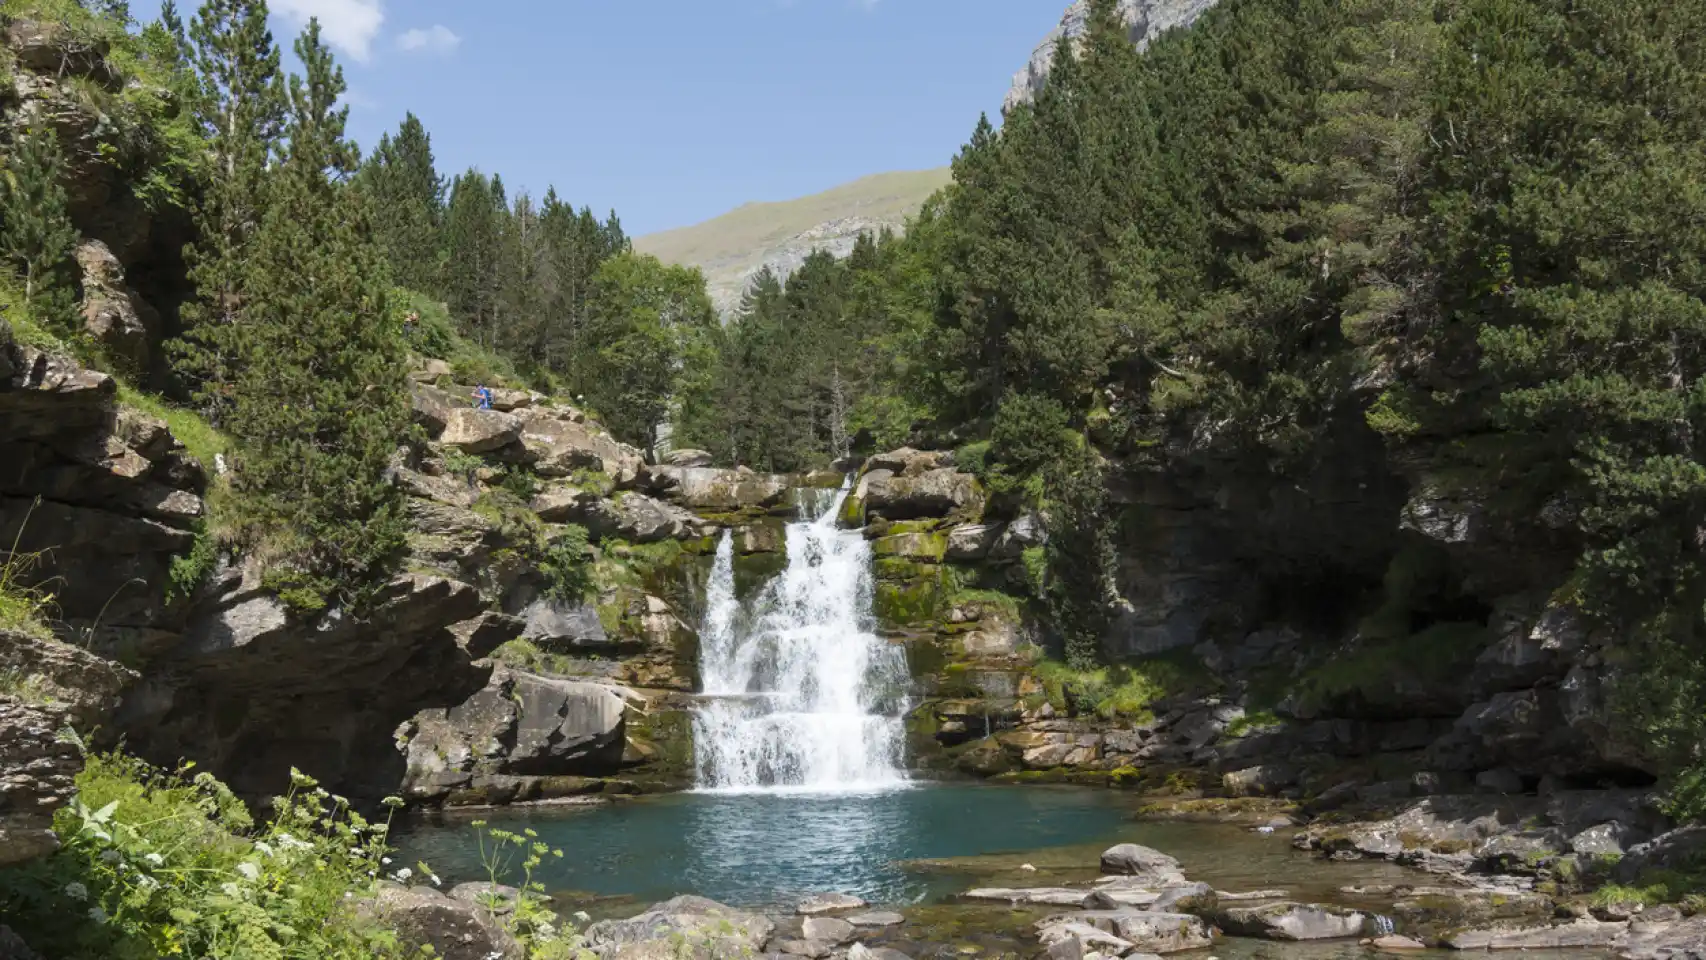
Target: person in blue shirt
(482, 398)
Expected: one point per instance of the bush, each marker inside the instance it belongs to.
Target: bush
(159, 864)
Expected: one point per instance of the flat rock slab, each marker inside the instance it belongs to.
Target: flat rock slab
(815, 949)
(1581, 933)
(1146, 931)
(1090, 938)
(875, 918)
(828, 903)
(1048, 896)
(827, 929)
(1395, 944)
(1290, 921)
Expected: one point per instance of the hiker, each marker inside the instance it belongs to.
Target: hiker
(482, 398)
(410, 319)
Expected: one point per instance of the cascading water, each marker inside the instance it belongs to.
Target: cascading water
(800, 692)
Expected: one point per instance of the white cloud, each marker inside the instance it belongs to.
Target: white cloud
(349, 25)
(435, 39)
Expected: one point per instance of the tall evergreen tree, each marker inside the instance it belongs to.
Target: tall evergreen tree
(36, 236)
(473, 236)
(408, 204)
(321, 399)
(241, 111)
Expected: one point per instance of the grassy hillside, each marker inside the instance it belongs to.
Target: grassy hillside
(733, 247)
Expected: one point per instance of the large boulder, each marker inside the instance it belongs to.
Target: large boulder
(519, 725)
(704, 489)
(564, 628)
(479, 431)
(685, 928)
(1147, 865)
(689, 458)
(633, 517)
(933, 493)
(433, 408)
(453, 929)
(559, 442)
(972, 541)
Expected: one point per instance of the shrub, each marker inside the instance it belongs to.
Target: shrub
(165, 864)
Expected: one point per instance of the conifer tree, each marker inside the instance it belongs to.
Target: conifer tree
(241, 110)
(408, 204)
(36, 236)
(321, 399)
(472, 241)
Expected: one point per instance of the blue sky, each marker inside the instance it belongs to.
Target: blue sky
(673, 111)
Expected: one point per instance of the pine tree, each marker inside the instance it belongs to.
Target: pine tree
(408, 204)
(241, 111)
(36, 236)
(321, 399)
(472, 240)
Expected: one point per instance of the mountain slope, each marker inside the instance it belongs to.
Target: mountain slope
(734, 247)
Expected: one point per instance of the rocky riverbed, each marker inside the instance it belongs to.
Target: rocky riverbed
(1129, 901)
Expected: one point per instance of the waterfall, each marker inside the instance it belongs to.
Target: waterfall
(800, 694)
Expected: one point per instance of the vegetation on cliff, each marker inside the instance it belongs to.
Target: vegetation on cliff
(1468, 229)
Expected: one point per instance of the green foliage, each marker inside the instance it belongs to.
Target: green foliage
(36, 235)
(158, 864)
(647, 319)
(510, 858)
(1114, 692)
(24, 607)
(567, 565)
(318, 398)
(191, 570)
(200, 438)
(407, 196)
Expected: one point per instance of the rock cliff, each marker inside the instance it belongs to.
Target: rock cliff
(1147, 20)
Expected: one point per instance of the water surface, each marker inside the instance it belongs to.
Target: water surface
(760, 849)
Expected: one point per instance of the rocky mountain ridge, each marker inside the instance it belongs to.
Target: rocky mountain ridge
(1147, 19)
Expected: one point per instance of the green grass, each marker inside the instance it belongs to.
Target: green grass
(1252, 722)
(23, 607)
(203, 441)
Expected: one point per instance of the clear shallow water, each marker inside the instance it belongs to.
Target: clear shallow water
(760, 849)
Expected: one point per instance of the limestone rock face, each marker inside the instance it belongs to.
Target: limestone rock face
(319, 696)
(113, 314)
(933, 493)
(1147, 19)
(704, 489)
(36, 778)
(118, 496)
(520, 725)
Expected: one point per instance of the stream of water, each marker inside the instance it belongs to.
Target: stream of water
(800, 694)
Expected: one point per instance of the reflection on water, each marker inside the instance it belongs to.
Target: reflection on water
(757, 849)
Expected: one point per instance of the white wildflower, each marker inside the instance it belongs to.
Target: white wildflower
(385, 860)
(97, 914)
(111, 856)
(249, 870)
(581, 916)
(76, 891)
(264, 847)
(231, 890)
(436, 881)
(154, 859)
(404, 874)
